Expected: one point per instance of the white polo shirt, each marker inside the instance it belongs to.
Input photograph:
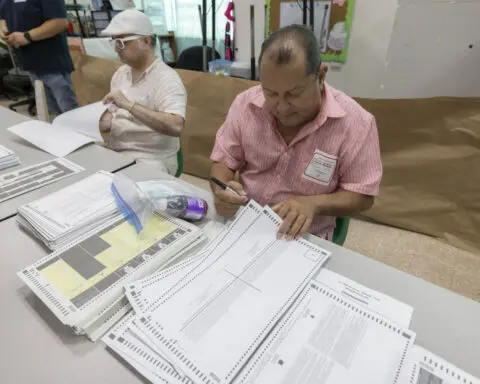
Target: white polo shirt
(161, 89)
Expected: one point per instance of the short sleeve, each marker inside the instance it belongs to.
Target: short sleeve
(228, 148)
(171, 97)
(54, 9)
(361, 170)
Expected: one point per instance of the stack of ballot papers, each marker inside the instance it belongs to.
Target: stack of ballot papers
(65, 215)
(82, 283)
(247, 309)
(26, 179)
(8, 158)
(251, 309)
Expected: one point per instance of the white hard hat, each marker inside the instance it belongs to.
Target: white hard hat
(129, 22)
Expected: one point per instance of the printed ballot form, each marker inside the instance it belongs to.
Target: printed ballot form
(232, 299)
(65, 215)
(384, 305)
(27, 179)
(78, 281)
(424, 367)
(328, 339)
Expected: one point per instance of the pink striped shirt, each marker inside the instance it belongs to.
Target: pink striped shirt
(339, 149)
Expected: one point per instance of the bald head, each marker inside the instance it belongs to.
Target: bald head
(292, 43)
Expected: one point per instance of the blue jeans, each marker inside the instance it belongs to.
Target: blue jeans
(58, 91)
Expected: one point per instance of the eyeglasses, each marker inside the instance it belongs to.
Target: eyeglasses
(119, 42)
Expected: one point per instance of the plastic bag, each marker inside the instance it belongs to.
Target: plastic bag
(132, 202)
(138, 201)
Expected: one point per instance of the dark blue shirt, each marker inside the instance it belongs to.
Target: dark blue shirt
(43, 56)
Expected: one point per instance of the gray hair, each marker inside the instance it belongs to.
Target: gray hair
(279, 46)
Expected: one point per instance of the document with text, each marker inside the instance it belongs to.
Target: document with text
(380, 303)
(234, 299)
(326, 338)
(424, 367)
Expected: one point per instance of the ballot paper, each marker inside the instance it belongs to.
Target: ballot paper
(130, 342)
(84, 120)
(424, 367)
(80, 281)
(127, 340)
(67, 214)
(8, 158)
(27, 179)
(146, 293)
(326, 338)
(51, 139)
(232, 299)
(377, 302)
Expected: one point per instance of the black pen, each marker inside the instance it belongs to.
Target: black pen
(224, 186)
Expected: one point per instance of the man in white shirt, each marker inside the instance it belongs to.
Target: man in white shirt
(147, 99)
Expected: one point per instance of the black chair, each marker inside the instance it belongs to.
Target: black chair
(16, 84)
(192, 58)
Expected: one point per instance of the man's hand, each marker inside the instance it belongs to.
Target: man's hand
(4, 30)
(297, 214)
(106, 122)
(119, 99)
(227, 203)
(16, 39)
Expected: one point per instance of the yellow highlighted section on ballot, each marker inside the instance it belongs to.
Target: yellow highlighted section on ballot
(73, 274)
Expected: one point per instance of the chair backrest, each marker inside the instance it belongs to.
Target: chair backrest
(192, 58)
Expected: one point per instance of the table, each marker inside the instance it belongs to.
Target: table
(91, 157)
(36, 347)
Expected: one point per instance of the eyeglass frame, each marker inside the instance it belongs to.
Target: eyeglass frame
(116, 40)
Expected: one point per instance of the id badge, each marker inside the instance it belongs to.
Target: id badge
(321, 168)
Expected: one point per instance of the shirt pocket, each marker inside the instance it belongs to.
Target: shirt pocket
(318, 174)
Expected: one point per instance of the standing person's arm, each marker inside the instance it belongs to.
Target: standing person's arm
(3, 30)
(55, 16)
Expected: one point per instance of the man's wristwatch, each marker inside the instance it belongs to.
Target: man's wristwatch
(28, 37)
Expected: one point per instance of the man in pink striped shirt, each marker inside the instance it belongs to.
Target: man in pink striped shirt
(299, 145)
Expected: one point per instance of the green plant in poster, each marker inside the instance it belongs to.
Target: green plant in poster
(339, 28)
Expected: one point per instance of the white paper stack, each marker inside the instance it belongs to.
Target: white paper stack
(65, 215)
(201, 320)
(82, 283)
(8, 158)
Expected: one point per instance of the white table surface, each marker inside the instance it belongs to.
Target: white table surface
(37, 348)
(91, 157)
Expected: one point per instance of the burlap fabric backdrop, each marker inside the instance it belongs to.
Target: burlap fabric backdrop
(430, 150)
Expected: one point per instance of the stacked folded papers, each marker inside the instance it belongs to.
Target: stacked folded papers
(65, 215)
(8, 158)
(82, 283)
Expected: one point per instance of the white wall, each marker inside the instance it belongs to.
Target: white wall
(398, 49)
(242, 27)
(372, 26)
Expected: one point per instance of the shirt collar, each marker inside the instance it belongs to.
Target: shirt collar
(330, 107)
(145, 73)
